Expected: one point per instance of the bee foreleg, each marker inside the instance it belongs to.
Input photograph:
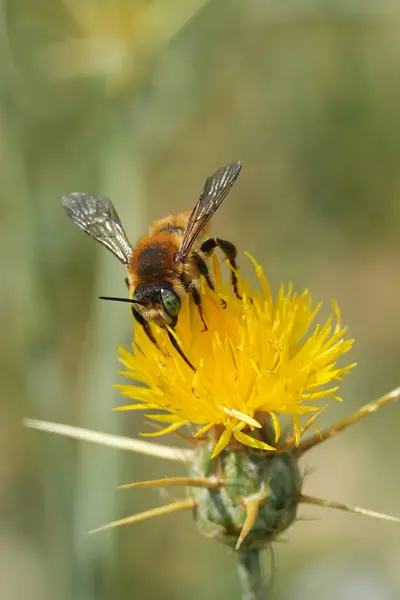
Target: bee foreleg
(142, 321)
(127, 282)
(177, 347)
(208, 246)
(191, 288)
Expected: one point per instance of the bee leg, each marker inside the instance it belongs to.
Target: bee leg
(203, 269)
(177, 346)
(191, 288)
(127, 282)
(179, 350)
(208, 246)
(142, 321)
(197, 300)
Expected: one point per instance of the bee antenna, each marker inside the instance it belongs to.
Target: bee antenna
(115, 299)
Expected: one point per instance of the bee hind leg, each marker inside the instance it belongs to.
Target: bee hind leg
(203, 269)
(229, 249)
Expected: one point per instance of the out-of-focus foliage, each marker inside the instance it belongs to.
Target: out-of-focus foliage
(140, 100)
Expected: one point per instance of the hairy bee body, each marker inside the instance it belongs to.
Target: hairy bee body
(153, 264)
(167, 263)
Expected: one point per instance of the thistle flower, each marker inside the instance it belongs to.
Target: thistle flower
(259, 359)
(117, 39)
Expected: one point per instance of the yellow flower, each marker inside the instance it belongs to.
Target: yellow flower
(260, 358)
(117, 38)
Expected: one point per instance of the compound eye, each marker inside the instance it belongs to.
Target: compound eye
(171, 302)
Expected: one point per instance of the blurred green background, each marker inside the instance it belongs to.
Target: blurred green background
(141, 100)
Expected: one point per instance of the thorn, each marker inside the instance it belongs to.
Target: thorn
(149, 514)
(112, 441)
(211, 483)
(347, 507)
(252, 504)
(364, 411)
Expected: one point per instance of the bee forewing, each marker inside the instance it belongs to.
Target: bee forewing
(98, 218)
(214, 193)
(219, 183)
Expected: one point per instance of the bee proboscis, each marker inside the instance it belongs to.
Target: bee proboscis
(165, 264)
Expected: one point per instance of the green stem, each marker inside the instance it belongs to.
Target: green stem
(250, 576)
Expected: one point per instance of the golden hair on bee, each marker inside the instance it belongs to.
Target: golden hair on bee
(168, 262)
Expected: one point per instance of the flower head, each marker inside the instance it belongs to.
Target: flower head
(260, 358)
(116, 38)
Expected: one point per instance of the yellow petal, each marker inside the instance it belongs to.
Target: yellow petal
(277, 427)
(222, 443)
(203, 429)
(247, 440)
(258, 355)
(237, 414)
(166, 430)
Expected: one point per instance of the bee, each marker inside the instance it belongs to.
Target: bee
(167, 263)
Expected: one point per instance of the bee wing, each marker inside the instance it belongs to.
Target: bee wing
(214, 193)
(98, 218)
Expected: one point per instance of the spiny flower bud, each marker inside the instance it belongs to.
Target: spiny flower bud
(256, 499)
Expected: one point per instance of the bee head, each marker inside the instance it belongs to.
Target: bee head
(158, 302)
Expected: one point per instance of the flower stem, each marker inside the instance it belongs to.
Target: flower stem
(250, 576)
